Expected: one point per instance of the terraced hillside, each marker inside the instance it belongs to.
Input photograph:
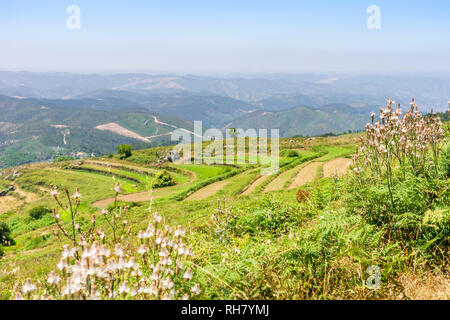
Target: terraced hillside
(261, 209)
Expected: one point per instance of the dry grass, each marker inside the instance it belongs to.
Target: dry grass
(338, 166)
(8, 203)
(208, 191)
(254, 185)
(12, 202)
(279, 182)
(306, 174)
(429, 287)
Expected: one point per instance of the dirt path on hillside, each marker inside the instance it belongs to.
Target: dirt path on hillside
(254, 184)
(29, 196)
(305, 175)
(114, 127)
(132, 197)
(157, 121)
(208, 191)
(8, 203)
(119, 166)
(338, 166)
(143, 196)
(11, 202)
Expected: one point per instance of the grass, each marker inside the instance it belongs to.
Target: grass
(275, 247)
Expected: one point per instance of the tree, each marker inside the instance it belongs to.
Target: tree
(125, 150)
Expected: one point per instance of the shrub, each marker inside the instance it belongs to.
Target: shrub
(38, 212)
(273, 216)
(5, 235)
(400, 175)
(289, 153)
(125, 151)
(163, 179)
(63, 158)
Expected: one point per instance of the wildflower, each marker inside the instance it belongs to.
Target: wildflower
(196, 289)
(53, 191)
(167, 284)
(179, 232)
(61, 265)
(53, 278)
(118, 251)
(28, 286)
(142, 250)
(18, 296)
(68, 252)
(188, 274)
(55, 215)
(77, 194)
(157, 217)
(123, 288)
(117, 187)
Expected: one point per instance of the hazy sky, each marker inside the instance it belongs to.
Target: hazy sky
(225, 36)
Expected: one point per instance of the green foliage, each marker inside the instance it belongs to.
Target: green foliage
(289, 153)
(163, 179)
(444, 164)
(38, 212)
(2, 251)
(5, 235)
(271, 216)
(63, 158)
(125, 150)
(266, 246)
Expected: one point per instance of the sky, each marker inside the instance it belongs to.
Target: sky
(226, 36)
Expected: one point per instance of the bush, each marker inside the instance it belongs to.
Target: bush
(163, 179)
(63, 158)
(272, 216)
(38, 212)
(125, 151)
(289, 153)
(5, 232)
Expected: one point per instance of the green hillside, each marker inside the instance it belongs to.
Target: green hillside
(33, 130)
(312, 230)
(305, 121)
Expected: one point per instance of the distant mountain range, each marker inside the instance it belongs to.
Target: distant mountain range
(429, 91)
(43, 114)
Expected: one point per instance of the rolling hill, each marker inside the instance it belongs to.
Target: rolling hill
(336, 118)
(214, 111)
(37, 130)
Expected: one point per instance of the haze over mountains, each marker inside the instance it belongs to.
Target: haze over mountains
(46, 113)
